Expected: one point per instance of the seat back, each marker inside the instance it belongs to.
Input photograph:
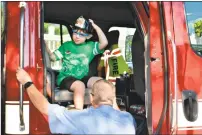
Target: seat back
(138, 65)
(113, 38)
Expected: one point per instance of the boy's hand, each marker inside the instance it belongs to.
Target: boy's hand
(92, 22)
(22, 76)
(102, 38)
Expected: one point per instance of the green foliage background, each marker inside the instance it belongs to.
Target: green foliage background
(128, 48)
(198, 28)
(57, 28)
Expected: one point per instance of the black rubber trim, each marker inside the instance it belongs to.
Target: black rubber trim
(137, 21)
(148, 84)
(61, 37)
(146, 7)
(3, 81)
(52, 73)
(42, 42)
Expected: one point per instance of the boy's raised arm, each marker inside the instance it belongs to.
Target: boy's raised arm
(102, 38)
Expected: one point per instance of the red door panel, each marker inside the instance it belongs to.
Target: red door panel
(189, 70)
(32, 58)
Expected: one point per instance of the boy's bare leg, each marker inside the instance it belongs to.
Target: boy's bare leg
(78, 88)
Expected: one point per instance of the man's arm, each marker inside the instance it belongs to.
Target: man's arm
(102, 38)
(39, 101)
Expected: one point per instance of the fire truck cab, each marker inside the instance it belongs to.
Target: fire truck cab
(160, 41)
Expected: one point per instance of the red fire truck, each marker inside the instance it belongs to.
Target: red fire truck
(165, 50)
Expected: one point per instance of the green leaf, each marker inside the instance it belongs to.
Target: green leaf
(198, 28)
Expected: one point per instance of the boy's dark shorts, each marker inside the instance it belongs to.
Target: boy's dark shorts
(68, 81)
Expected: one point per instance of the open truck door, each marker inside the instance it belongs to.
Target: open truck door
(22, 49)
(189, 63)
(175, 71)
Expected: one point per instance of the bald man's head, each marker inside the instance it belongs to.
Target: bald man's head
(103, 92)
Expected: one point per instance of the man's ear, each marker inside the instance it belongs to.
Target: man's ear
(91, 99)
(90, 36)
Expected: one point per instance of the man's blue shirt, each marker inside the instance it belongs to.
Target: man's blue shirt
(101, 120)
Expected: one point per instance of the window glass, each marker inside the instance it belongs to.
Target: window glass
(128, 53)
(194, 21)
(54, 39)
(125, 42)
(65, 35)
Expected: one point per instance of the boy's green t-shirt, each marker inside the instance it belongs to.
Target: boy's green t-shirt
(76, 59)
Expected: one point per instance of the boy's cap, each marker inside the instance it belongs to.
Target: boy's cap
(82, 23)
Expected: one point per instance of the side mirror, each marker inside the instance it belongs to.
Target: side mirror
(190, 105)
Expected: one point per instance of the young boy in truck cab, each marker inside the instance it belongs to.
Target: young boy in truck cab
(76, 56)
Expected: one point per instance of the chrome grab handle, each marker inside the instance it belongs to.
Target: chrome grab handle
(174, 49)
(22, 16)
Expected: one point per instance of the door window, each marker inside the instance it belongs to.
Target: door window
(194, 21)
